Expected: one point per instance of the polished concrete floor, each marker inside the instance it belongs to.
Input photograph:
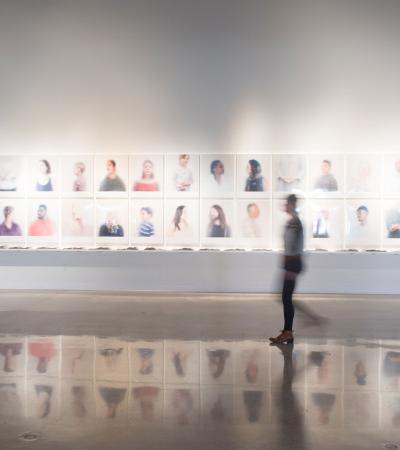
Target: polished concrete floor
(103, 371)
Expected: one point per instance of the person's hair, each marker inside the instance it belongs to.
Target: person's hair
(362, 208)
(112, 162)
(292, 199)
(47, 164)
(214, 165)
(250, 205)
(184, 155)
(147, 209)
(43, 206)
(326, 161)
(178, 216)
(81, 166)
(255, 168)
(221, 216)
(7, 211)
(147, 161)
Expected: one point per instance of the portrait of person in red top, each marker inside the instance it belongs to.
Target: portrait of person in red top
(42, 226)
(147, 182)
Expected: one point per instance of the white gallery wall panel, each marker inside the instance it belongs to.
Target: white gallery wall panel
(346, 201)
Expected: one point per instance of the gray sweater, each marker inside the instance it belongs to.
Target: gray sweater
(293, 237)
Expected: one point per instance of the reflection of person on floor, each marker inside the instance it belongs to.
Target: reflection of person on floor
(9, 227)
(111, 356)
(10, 350)
(216, 361)
(78, 400)
(44, 394)
(217, 226)
(251, 224)
(360, 372)
(42, 226)
(112, 397)
(325, 403)
(146, 395)
(326, 182)
(79, 184)
(254, 402)
(112, 181)
(183, 176)
(393, 223)
(44, 352)
(146, 227)
(182, 404)
(146, 359)
(320, 225)
(111, 227)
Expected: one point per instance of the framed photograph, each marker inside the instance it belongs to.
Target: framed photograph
(77, 175)
(43, 175)
(12, 356)
(363, 222)
(325, 364)
(391, 171)
(253, 223)
(326, 175)
(112, 401)
(182, 175)
(112, 221)
(12, 180)
(182, 362)
(12, 221)
(77, 219)
(326, 224)
(251, 365)
(253, 177)
(43, 356)
(217, 362)
(363, 175)
(391, 226)
(112, 360)
(112, 176)
(147, 362)
(182, 222)
(361, 368)
(289, 174)
(77, 357)
(147, 221)
(217, 175)
(217, 222)
(43, 221)
(147, 175)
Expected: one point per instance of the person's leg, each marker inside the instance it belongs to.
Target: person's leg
(287, 300)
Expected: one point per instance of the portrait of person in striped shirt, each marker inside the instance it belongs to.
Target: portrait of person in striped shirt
(146, 227)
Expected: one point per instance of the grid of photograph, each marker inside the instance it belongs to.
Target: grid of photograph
(79, 379)
(347, 201)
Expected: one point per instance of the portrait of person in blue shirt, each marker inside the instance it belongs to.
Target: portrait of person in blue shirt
(43, 180)
(146, 227)
(255, 179)
(111, 227)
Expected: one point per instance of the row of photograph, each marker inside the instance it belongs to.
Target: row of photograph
(192, 175)
(241, 363)
(331, 224)
(81, 403)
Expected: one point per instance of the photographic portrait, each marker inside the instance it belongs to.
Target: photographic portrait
(43, 174)
(11, 175)
(363, 224)
(217, 216)
(182, 174)
(147, 221)
(111, 175)
(147, 361)
(391, 172)
(363, 175)
(326, 224)
(77, 175)
(112, 221)
(253, 175)
(217, 175)
(43, 221)
(254, 222)
(112, 401)
(217, 362)
(147, 175)
(77, 220)
(111, 360)
(12, 220)
(182, 362)
(289, 173)
(182, 222)
(391, 225)
(326, 174)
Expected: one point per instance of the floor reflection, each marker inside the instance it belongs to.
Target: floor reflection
(327, 385)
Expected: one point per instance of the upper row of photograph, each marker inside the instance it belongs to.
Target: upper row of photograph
(191, 175)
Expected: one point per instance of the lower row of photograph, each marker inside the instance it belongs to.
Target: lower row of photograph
(330, 224)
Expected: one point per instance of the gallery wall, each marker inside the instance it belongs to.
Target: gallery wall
(346, 201)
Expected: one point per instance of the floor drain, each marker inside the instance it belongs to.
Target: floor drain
(30, 436)
(390, 446)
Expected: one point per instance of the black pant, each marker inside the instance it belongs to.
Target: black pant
(287, 300)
